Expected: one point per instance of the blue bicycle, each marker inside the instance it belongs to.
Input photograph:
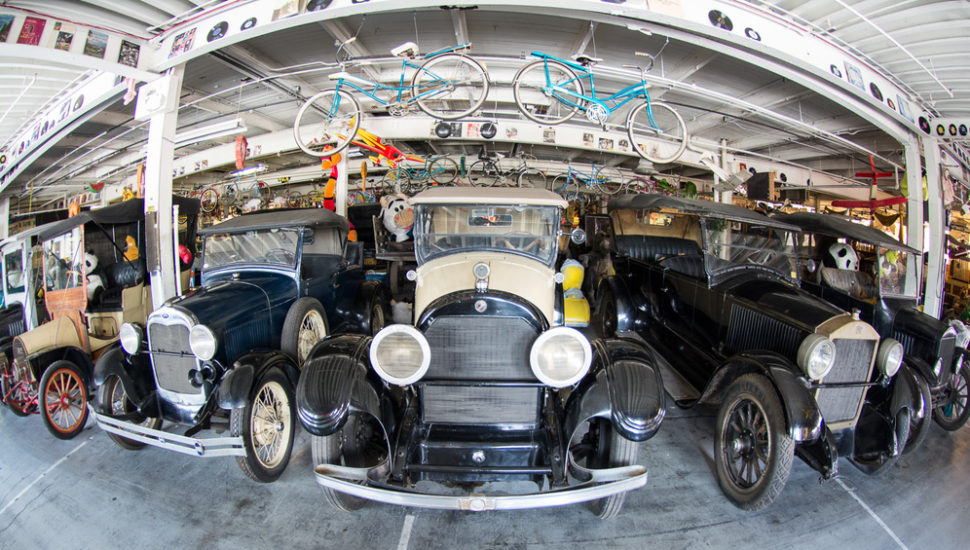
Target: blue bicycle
(552, 90)
(448, 85)
(605, 180)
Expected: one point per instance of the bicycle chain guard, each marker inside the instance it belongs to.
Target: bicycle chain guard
(597, 113)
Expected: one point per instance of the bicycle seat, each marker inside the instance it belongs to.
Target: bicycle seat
(586, 60)
(408, 49)
(349, 77)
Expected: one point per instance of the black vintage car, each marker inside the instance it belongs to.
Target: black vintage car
(713, 288)
(228, 354)
(883, 285)
(489, 384)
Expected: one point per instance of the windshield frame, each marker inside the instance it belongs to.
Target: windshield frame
(891, 274)
(239, 239)
(64, 272)
(752, 258)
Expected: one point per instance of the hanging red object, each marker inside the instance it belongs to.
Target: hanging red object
(242, 151)
(874, 175)
(871, 205)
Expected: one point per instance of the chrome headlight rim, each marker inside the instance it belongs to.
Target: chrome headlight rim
(414, 333)
(541, 341)
(130, 335)
(812, 345)
(203, 342)
(889, 358)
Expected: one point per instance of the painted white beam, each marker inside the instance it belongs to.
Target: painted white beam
(936, 248)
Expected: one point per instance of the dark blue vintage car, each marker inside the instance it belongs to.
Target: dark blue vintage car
(882, 285)
(713, 288)
(491, 384)
(231, 351)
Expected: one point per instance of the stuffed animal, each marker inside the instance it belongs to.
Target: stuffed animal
(398, 216)
(131, 248)
(95, 281)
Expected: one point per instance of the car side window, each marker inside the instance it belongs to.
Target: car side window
(324, 241)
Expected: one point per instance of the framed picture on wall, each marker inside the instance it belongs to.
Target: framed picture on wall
(854, 75)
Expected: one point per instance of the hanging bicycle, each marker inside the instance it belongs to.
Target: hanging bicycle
(485, 172)
(410, 179)
(606, 180)
(552, 90)
(448, 85)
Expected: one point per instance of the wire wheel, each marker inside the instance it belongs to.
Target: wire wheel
(63, 399)
(953, 413)
(327, 123)
(608, 180)
(545, 100)
(483, 173)
(657, 132)
(443, 170)
(266, 425)
(450, 86)
(312, 330)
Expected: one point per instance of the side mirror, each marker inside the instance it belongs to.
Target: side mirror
(578, 236)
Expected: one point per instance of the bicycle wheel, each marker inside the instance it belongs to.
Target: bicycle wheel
(331, 117)
(230, 195)
(450, 86)
(531, 177)
(483, 173)
(530, 86)
(443, 170)
(294, 199)
(662, 142)
(395, 180)
(209, 200)
(608, 180)
(566, 187)
(636, 185)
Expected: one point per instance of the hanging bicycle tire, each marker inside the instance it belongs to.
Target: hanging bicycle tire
(608, 180)
(443, 170)
(331, 119)
(663, 142)
(529, 88)
(483, 173)
(450, 86)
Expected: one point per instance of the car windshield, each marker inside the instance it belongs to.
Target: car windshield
(269, 247)
(528, 230)
(730, 244)
(892, 274)
(14, 268)
(64, 261)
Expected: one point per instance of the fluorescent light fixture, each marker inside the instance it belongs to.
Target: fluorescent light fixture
(217, 130)
(259, 168)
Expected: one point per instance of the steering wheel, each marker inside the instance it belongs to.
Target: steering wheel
(281, 255)
(534, 243)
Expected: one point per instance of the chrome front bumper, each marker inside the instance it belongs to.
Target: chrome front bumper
(210, 447)
(602, 483)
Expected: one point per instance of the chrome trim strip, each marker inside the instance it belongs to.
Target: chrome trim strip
(614, 480)
(211, 447)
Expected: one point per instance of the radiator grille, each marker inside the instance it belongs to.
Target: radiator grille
(172, 371)
(480, 404)
(750, 329)
(946, 351)
(16, 328)
(853, 359)
(480, 348)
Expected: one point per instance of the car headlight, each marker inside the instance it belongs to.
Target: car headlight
(130, 336)
(890, 357)
(816, 356)
(202, 342)
(400, 354)
(962, 333)
(560, 357)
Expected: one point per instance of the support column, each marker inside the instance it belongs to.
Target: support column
(727, 197)
(914, 211)
(158, 103)
(4, 217)
(935, 263)
(340, 190)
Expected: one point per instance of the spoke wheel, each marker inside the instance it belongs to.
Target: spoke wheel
(266, 425)
(953, 413)
(112, 398)
(63, 399)
(752, 449)
(547, 101)
(608, 180)
(918, 427)
(443, 170)
(482, 174)
(304, 326)
(19, 389)
(450, 86)
(395, 180)
(360, 443)
(602, 447)
(662, 142)
(566, 187)
(329, 118)
(530, 177)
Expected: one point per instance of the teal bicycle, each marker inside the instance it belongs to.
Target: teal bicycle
(447, 85)
(553, 90)
(605, 180)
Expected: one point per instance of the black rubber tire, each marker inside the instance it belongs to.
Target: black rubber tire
(338, 448)
(443, 170)
(611, 450)
(758, 397)
(919, 427)
(295, 319)
(275, 383)
(110, 400)
(378, 315)
(960, 392)
(482, 173)
(531, 177)
(607, 311)
(67, 379)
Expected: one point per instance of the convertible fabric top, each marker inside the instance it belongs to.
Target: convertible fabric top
(489, 196)
(131, 210)
(835, 226)
(652, 201)
(284, 217)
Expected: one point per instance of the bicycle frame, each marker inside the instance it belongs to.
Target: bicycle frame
(610, 103)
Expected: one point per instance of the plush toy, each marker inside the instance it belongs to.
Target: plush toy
(131, 248)
(398, 216)
(95, 281)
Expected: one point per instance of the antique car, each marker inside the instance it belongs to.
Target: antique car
(876, 284)
(713, 288)
(94, 280)
(228, 354)
(488, 386)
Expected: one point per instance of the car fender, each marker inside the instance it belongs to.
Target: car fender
(921, 368)
(626, 388)
(906, 391)
(626, 308)
(233, 392)
(802, 415)
(334, 383)
(134, 372)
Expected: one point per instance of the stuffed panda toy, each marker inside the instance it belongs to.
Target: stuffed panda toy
(398, 216)
(95, 281)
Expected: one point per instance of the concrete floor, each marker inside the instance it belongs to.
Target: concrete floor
(88, 493)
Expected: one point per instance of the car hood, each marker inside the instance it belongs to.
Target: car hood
(800, 307)
(913, 322)
(237, 301)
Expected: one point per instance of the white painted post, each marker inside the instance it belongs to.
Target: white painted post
(935, 264)
(340, 190)
(914, 210)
